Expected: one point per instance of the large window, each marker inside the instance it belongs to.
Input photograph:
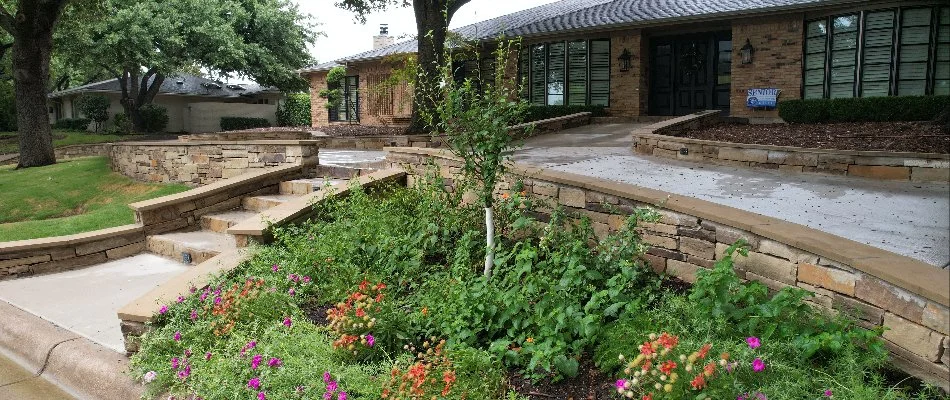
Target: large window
(575, 72)
(349, 109)
(889, 52)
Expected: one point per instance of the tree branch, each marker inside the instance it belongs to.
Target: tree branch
(451, 8)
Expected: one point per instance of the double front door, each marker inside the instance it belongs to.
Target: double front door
(690, 73)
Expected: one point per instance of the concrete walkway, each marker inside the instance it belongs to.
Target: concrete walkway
(85, 301)
(907, 218)
(18, 383)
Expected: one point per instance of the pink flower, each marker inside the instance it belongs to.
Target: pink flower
(293, 277)
(620, 383)
(299, 389)
(254, 383)
(370, 340)
(261, 396)
(177, 336)
(181, 299)
(274, 268)
(193, 289)
(150, 376)
(183, 374)
(208, 356)
(274, 362)
(827, 392)
(292, 292)
(217, 300)
(287, 322)
(163, 310)
(194, 315)
(327, 396)
(341, 396)
(332, 386)
(326, 377)
(204, 296)
(306, 279)
(175, 363)
(758, 365)
(187, 353)
(256, 361)
(753, 342)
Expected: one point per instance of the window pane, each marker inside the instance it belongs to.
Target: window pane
(814, 92)
(724, 64)
(878, 48)
(817, 32)
(911, 88)
(871, 89)
(555, 82)
(600, 72)
(914, 52)
(537, 74)
(524, 65)
(817, 28)
(844, 44)
(577, 72)
(815, 77)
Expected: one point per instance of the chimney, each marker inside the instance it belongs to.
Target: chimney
(383, 39)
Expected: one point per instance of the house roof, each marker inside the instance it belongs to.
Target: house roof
(575, 15)
(182, 85)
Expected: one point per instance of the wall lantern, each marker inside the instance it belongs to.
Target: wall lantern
(624, 60)
(746, 52)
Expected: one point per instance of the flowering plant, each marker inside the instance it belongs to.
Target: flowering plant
(658, 372)
(227, 306)
(430, 376)
(353, 320)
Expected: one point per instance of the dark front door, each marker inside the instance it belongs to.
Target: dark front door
(689, 73)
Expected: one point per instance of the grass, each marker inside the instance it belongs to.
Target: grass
(69, 197)
(9, 143)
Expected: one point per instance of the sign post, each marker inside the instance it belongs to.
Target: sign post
(762, 98)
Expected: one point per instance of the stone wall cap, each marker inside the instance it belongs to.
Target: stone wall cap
(176, 143)
(212, 188)
(917, 276)
(78, 238)
(554, 119)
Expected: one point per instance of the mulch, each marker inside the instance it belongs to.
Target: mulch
(920, 137)
(363, 130)
(589, 384)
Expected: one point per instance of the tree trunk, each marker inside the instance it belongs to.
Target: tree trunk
(138, 92)
(432, 21)
(32, 48)
(489, 240)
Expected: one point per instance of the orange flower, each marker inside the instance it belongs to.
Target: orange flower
(668, 367)
(505, 196)
(668, 341)
(704, 350)
(425, 310)
(524, 193)
(529, 340)
(698, 382)
(709, 369)
(647, 348)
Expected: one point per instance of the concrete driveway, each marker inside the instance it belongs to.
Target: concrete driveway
(907, 218)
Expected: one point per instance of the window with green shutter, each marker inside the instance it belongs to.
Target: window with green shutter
(577, 72)
(913, 52)
(538, 87)
(524, 67)
(556, 56)
(942, 64)
(844, 54)
(600, 72)
(815, 42)
(878, 45)
(574, 72)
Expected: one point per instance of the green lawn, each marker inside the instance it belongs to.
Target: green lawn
(72, 196)
(9, 143)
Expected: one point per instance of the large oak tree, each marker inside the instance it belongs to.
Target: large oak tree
(141, 43)
(432, 23)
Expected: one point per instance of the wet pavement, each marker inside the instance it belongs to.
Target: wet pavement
(907, 218)
(20, 384)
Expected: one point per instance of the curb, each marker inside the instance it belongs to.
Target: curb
(78, 366)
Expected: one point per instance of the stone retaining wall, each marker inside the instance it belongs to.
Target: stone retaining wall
(76, 151)
(62, 253)
(247, 135)
(200, 163)
(906, 296)
(661, 140)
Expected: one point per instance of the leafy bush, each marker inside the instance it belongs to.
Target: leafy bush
(121, 125)
(73, 124)
(240, 123)
(336, 78)
(7, 107)
(295, 111)
(154, 118)
(537, 113)
(94, 107)
(860, 109)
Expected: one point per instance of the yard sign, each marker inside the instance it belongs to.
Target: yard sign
(762, 98)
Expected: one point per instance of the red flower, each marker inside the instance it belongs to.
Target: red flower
(709, 369)
(668, 367)
(647, 349)
(704, 350)
(698, 382)
(668, 341)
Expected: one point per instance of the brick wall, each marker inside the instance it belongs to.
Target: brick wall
(319, 115)
(628, 89)
(776, 62)
(200, 163)
(379, 104)
(878, 288)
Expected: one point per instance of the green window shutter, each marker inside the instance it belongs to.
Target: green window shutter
(538, 58)
(878, 46)
(524, 66)
(577, 73)
(844, 50)
(942, 71)
(914, 52)
(556, 64)
(817, 32)
(600, 72)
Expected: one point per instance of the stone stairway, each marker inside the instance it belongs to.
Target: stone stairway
(196, 246)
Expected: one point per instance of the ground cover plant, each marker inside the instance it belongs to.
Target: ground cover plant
(69, 197)
(382, 295)
(9, 141)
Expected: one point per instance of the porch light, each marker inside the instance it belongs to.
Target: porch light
(746, 52)
(624, 60)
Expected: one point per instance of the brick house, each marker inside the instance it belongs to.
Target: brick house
(675, 57)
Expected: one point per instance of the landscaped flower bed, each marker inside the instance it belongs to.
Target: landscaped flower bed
(383, 297)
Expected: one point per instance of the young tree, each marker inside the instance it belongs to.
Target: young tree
(31, 23)
(94, 107)
(432, 23)
(475, 118)
(141, 43)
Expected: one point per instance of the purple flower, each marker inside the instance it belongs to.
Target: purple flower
(332, 386)
(827, 392)
(744, 396)
(217, 300)
(306, 279)
(208, 356)
(184, 373)
(254, 383)
(326, 377)
(261, 396)
(760, 396)
(299, 389)
(204, 296)
(370, 340)
(274, 268)
(163, 310)
(292, 292)
(181, 299)
(150, 376)
(194, 315)
(293, 277)
(193, 289)
(187, 353)
(274, 362)
(758, 365)
(174, 362)
(731, 366)
(287, 322)
(753, 342)
(177, 336)
(256, 361)
(327, 396)
(341, 396)
(620, 383)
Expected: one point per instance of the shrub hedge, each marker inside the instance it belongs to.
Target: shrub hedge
(536, 113)
(154, 118)
(295, 111)
(73, 124)
(875, 109)
(239, 123)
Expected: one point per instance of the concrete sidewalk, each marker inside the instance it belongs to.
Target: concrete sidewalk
(907, 218)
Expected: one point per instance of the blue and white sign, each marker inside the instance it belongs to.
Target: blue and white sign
(762, 98)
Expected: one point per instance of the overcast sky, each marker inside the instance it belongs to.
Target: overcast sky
(345, 36)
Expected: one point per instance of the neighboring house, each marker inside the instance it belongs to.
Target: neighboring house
(675, 57)
(194, 104)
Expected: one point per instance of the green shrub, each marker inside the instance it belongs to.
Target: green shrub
(875, 109)
(94, 107)
(536, 113)
(121, 125)
(154, 118)
(7, 107)
(239, 123)
(295, 111)
(73, 124)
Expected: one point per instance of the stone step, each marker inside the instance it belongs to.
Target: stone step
(199, 245)
(220, 222)
(261, 203)
(304, 186)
